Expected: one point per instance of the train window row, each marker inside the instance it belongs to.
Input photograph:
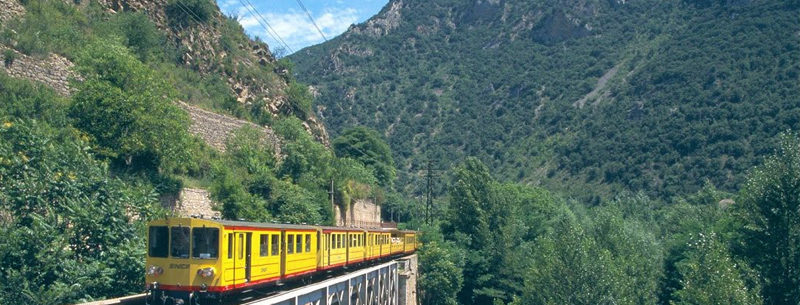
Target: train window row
(175, 242)
(269, 242)
(381, 240)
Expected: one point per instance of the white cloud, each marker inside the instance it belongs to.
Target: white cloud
(295, 28)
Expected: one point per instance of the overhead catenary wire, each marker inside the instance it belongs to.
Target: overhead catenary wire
(312, 19)
(266, 27)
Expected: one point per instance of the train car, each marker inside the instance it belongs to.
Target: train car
(335, 247)
(190, 259)
(198, 261)
(397, 242)
(409, 242)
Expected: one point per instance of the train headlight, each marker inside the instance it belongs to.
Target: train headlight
(154, 271)
(206, 272)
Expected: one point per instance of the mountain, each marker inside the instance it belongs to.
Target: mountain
(585, 97)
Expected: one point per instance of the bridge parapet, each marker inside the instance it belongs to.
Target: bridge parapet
(374, 285)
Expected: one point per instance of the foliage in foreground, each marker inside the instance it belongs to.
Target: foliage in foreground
(520, 245)
(67, 230)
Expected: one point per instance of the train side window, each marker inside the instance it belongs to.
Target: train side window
(159, 242)
(230, 245)
(264, 245)
(179, 246)
(308, 242)
(276, 244)
(290, 243)
(241, 245)
(205, 243)
(341, 240)
(299, 243)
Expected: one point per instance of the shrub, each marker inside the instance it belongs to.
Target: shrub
(8, 57)
(188, 12)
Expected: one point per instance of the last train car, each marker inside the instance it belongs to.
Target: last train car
(197, 261)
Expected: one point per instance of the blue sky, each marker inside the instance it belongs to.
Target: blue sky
(291, 23)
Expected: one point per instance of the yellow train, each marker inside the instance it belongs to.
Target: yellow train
(199, 261)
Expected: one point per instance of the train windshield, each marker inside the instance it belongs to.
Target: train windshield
(205, 242)
(180, 242)
(159, 242)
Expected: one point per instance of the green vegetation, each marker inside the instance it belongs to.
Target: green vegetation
(627, 200)
(503, 243)
(700, 92)
(67, 227)
(81, 175)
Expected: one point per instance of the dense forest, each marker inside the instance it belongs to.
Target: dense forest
(586, 97)
(505, 243)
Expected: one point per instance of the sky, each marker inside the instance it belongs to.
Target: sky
(287, 21)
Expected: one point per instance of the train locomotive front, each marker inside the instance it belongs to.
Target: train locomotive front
(183, 261)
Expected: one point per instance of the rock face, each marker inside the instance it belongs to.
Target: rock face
(381, 24)
(54, 70)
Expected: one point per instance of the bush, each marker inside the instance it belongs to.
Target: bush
(8, 57)
(188, 12)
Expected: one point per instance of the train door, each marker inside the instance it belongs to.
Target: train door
(283, 254)
(240, 262)
(325, 239)
(248, 254)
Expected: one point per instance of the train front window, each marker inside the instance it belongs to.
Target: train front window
(180, 242)
(205, 242)
(159, 242)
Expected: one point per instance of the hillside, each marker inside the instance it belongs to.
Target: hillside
(111, 110)
(584, 97)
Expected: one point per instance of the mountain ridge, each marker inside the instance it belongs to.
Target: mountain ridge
(496, 79)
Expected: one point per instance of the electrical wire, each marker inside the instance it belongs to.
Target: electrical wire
(312, 20)
(268, 27)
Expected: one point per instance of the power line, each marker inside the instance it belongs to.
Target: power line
(312, 20)
(268, 27)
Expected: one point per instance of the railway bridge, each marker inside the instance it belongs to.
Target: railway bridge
(390, 283)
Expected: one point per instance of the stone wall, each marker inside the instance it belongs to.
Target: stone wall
(192, 202)
(54, 70)
(408, 280)
(363, 213)
(10, 9)
(215, 128)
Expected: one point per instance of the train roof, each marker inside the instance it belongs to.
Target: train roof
(235, 223)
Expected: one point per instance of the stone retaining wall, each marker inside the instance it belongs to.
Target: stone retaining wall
(54, 70)
(215, 128)
(10, 9)
(192, 202)
(363, 213)
(408, 281)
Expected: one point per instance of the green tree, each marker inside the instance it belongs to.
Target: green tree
(711, 276)
(66, 227)
(770, 223)
(365, 145)
(440, 269)
(128, 110)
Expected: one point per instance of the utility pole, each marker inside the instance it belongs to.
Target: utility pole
(429, 193)
(333, 203)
